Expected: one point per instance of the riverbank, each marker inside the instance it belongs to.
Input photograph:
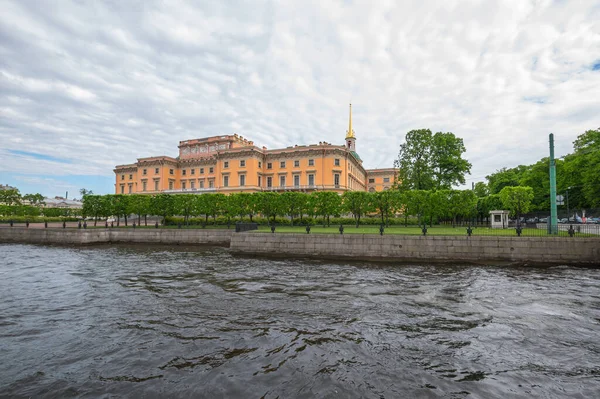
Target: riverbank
(583, 251)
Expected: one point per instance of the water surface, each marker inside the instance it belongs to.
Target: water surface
(198, 322)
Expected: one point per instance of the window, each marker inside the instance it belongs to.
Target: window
(311, 180)
(242, 180)
(192, 184)
(225, 164)
(122, 177)
(156, 183)
(122, 189)
(296, 164)
(171, 171)
(311, 162)
(155, 171)
(144, 185)
(259, 164)
(193, 171)
(202, 183)
(269, 181)
(201, 171)
(296, 180)
(371, 190)
(259, 181)
(269, 165)
(282, 164)
(211, 170)
(336, 180)
(183, 185)
(171, 185)
(211, 184)
(281, 181)
(371, 180)
(144, 172)
(386, 179)
(130, 177)
(336, 162)
(225, 181)
(184, 172)
(243, 163)
(129, 189)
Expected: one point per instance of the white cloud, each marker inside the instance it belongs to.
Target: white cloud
(102, 84)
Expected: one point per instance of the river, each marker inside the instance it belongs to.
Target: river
(148, 321)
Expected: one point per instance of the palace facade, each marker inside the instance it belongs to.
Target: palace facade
(232, 164)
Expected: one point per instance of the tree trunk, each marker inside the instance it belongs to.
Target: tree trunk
(145, 220)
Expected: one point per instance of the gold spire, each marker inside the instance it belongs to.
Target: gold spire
(350, 132)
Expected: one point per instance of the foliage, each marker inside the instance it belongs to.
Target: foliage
(429, 161)
(327, 204)
(10, 197)
(517, 199)
(357, 203)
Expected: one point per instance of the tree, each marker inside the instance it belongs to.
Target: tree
(456, 203)
(327, 203)
(10, 197)
(449, 168)
(517, 199)
(162, 205)
(139, 204)
(292, 204)
(385, 203)
(85, 192)
(429, 161)
(120, 207)
(34, 199)
(183, 205)
(481, 189)
(269, 204)
(93, 206)
(418, 203)
(487, 204)
(357, 203)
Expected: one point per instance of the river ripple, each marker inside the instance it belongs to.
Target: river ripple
(182, 322)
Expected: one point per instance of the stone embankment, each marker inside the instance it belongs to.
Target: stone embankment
(521, 250)
(98, 236)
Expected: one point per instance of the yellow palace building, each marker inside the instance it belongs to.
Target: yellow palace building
(233, 164)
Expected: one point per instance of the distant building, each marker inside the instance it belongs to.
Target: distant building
(231, 163)
(60, 202)
(7, 187)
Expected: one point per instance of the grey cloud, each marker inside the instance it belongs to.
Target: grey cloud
(103, 83)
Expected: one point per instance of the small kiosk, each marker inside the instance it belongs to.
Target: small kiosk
(499, 219)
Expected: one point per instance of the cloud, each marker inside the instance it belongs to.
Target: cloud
(100, 84)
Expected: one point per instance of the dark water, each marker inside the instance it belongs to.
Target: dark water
(158, 322)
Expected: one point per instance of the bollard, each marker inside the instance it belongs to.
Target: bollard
(45, 224)
(106, 224)
(79, 225)
(156, 225)
(571, 231)
(341, 229)
(424, 229)
(27, 223)
(112, 225)
(64, 224)
(381, 229)
(85, 225)
(178, 225)
(469, 231)
(134, 225)
(272, 228)
(519, 231)
(307, 229)
(11, 223)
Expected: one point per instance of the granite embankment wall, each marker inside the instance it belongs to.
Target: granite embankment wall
(523, 250)
(97, 236)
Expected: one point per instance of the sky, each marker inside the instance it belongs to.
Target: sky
(85, 86)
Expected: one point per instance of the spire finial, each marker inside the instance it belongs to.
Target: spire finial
(350, 132)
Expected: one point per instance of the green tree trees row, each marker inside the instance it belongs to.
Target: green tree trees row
(578, 173)
(427, 205)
